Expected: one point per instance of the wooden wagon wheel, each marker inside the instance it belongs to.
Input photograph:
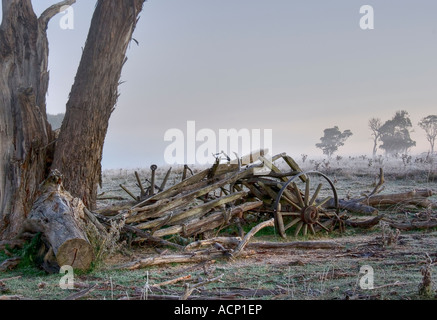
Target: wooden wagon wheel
(297, 204)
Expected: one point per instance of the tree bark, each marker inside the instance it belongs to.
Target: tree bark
(93, 96)
(25, 134)
(27, 144)
(57, 216)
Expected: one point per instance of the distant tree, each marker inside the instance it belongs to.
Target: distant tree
(375, 125)
(429, 124)
(333, 139)
(395, 134)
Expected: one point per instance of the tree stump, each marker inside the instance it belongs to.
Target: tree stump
(57, 215)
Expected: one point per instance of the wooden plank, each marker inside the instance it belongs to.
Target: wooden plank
(174, 189)
(196, 212)
(184, 200)
(212, 221)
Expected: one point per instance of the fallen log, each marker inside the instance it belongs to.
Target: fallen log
(354, 206)
(369, 205)
(295, 245)
(412, 225)
(224, 241)
(366, 224)
(56, 214)
(233, 242)
(415, 197)
(167, 259)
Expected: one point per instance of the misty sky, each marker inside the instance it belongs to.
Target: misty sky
(297, 67)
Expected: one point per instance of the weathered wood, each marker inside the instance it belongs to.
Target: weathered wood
(103, 198)
(56, 214)
(196, 212)
(129, 192)
(95, 221)
(310, 245)
(164, 182)
(26, 138)
(225, 241)
(412, 225)
(79, 148)
(171, 282)
(366, 224)
(140, 184)
(238, 250)
(152, 179)
(250, 158)
(272, 167)
(294, 166)
(81, 294)
(411, 197)
(172, 191)
(115, 209)
(353, 206)
(142, 234)
(234, 241)
(194, 257)
(189, 289)
(184, 199)
(211, 222)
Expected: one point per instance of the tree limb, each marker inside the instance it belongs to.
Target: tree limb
(53, 10)
(250, 234)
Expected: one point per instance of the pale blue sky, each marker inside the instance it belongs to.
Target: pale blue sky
(296, 67)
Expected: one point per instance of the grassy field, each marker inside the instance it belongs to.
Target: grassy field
(285, 274)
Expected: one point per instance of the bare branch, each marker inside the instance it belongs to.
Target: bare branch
(53, 10)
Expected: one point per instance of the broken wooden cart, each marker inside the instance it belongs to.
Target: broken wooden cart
(227, 192)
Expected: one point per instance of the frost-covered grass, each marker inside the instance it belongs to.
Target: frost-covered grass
(400, 170)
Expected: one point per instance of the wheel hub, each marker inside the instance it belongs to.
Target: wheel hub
(310, 215)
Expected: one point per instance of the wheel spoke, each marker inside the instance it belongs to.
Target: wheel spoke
(307, 192)
(320, 205)
(284, 213)
(299, 196)
(315, 195)
(291, 202)
(299, 226)
(312, 229)
(305, 228)
(322, 226)
(292, 223)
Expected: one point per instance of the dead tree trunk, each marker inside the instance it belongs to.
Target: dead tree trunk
(27, 144)
(93, 97)
(25, 134)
